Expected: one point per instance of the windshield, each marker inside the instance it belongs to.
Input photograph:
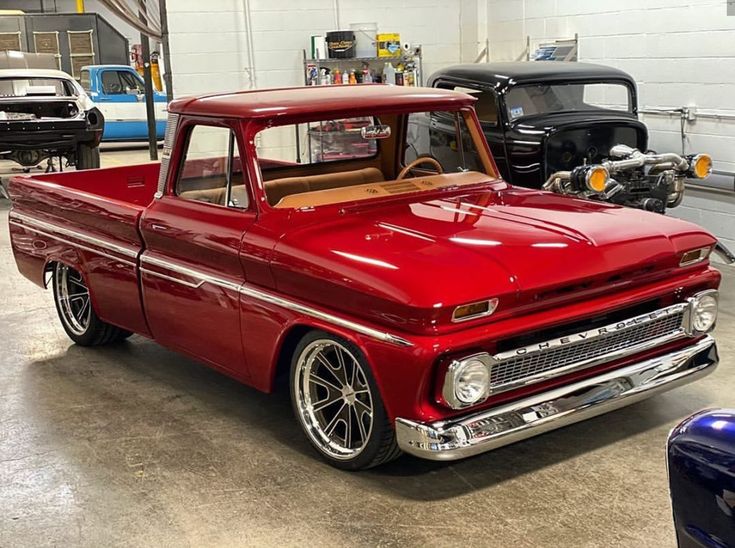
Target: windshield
(535, 99)
(31, 87)
(339, 160)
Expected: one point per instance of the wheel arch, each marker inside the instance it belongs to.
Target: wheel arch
(77, 264)
(284, 353)
(289, 339)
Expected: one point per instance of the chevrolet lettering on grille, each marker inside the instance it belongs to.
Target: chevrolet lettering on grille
(555, 357)
(592, 333)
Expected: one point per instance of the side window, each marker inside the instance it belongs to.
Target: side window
(486, 105)
(212, 171)
(85, 81)
(448, 141)
(131, 83)
(111, 84)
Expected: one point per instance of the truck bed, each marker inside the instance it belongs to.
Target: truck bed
(106, 202)
(89, 218)
(133, 185)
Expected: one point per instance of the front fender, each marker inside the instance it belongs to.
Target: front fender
(701, 464)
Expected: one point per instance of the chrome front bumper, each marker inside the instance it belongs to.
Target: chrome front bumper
(472, 434)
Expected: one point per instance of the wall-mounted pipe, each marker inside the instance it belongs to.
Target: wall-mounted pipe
(699, 113)
(248, 20)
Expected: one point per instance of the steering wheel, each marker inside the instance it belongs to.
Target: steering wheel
(417, 162)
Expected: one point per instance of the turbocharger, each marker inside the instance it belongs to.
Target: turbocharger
(630, 177)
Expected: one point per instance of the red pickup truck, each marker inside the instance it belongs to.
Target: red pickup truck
(414, 300)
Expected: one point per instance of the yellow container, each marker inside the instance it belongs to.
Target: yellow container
(389, 44)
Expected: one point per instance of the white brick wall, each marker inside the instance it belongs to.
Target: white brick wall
(209, 46)
(679, 51)
(209, 42)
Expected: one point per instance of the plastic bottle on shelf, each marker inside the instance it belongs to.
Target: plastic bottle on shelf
(345, 77)
(389, 74)
(324, 80)
(336, 76)
(366, 76)
(353, 79)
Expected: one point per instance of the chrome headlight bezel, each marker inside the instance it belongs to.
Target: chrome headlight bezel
(481, 363)
(696, 302)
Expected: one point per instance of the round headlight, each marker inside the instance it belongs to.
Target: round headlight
(704, 312)
(596, 179)
(471, 381)
(701, 165)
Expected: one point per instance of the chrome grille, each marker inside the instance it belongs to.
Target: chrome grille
(552, 358)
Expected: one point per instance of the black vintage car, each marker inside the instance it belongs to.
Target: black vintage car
(572, 128)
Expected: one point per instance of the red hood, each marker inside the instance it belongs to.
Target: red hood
(422, 258)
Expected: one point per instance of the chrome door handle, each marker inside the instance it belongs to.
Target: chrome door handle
(159, 228)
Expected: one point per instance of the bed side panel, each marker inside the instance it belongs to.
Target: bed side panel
(97, 236)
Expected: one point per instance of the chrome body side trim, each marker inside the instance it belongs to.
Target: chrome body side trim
(486, 430)
(51, 230)
(69, 242)
(171, 278)
(198, 275)
(330, 318)
(255, 293)
(27, 221)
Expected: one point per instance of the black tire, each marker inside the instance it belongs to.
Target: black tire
(380, 445)
(87, 157)
(76, 313)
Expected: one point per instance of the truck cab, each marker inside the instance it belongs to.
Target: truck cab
(411, 298)
(118, 91)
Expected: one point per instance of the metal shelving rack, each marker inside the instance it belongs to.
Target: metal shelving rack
(376, 63)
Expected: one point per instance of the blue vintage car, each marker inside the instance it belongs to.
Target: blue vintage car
(701, 459)
(118, 92)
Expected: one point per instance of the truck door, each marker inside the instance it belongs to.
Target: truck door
(190, 270)
(120, 95)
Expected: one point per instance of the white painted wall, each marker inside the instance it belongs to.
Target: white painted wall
(209, 43)
(681, 53)
(210, 47)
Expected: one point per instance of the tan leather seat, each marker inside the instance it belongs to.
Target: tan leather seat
(279, 188)
(218, 196)
(207, 195)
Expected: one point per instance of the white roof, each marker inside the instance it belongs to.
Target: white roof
(34, 73)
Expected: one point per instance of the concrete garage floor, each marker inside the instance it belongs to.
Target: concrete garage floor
(134, 445)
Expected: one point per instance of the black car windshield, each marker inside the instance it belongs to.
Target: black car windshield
(30, 87)
(535, 99)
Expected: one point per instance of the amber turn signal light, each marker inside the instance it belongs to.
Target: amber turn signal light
(695, 256)
(474, 310)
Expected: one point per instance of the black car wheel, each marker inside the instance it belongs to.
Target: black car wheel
(87, 157)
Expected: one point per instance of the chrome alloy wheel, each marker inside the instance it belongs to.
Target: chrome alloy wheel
(72, 296)
(333, 399)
